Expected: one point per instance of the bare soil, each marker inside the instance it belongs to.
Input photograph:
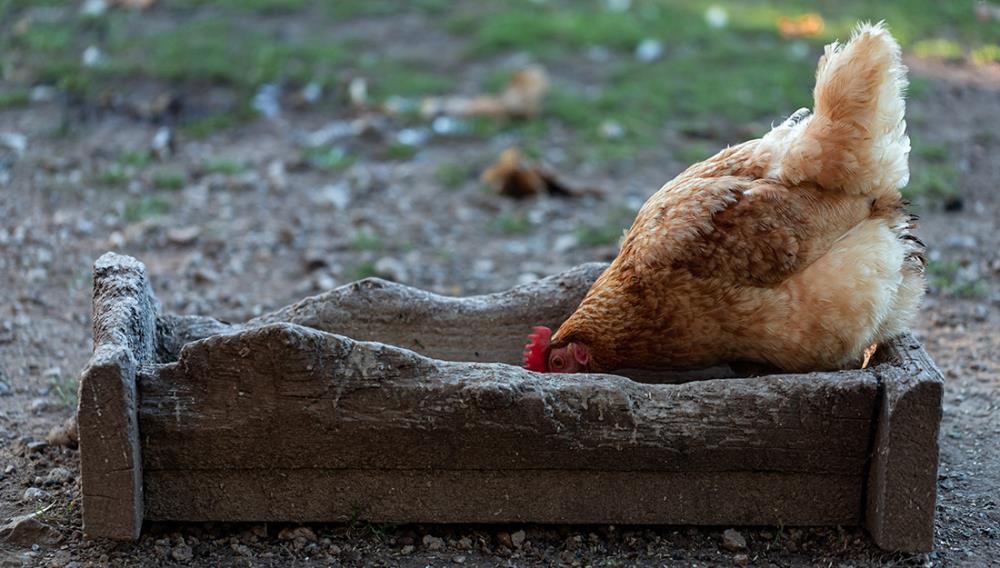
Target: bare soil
(278, 231)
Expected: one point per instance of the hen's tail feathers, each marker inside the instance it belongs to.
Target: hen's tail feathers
(856, 140)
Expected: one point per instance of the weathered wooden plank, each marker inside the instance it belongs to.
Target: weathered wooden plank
(471, 496)
(490, 328)
(110, 461)
(290, 395)
(902, 482)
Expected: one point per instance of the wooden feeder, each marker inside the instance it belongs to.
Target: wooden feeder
(388, 403)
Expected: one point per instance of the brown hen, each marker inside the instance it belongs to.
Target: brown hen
(793, 250)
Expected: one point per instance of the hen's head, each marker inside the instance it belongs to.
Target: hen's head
(544, 357)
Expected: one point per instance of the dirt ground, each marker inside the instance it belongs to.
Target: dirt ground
(233, 244)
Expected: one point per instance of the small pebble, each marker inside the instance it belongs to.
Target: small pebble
(40, 405)
(433, 542)
(35, 494)
(182, 553)
(58, 476)
(305, 533)
(732, 540)
(391, 269)
(649, 50)
(183, 235)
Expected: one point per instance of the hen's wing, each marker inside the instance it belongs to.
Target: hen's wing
(747, 231)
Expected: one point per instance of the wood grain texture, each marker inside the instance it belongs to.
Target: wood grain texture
(902, 482)
(408, 438)
(490, 328)
(343, 404)
(110, 462)
(494, 496)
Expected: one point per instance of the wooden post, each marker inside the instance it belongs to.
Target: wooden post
(902, 481)
(110, 461)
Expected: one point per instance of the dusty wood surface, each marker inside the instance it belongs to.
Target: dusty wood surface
(110, 463)
(351, 407)
(474, 496)
(490, 328)
(902, 484)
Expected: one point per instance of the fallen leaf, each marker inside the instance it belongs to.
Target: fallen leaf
(806, 25)
(510, 177)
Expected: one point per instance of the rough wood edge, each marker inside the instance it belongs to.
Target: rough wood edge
(215, 409)
(124, 327)
(902, 480)
(430, 324)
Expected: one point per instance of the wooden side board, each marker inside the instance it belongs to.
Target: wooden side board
(360, 422)
(495, 496)
(902, 482)
(343, 404)
(285, 418)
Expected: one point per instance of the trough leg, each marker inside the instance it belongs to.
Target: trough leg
(902, 482)
(110, 463)
(110, 459)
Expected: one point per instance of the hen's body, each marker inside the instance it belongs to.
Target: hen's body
(792, 250)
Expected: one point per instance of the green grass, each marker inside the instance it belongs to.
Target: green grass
(221, 51)
(14, 98)
(401, 78)
(367, 240)
(135, 159)
(328, 159)
(609, 232)
(934, 152)
(341, 10)
(169, 180)
(65, 389)
(399, 151)
(985, 54)
(365, 270)
(695, 151)
(936, 181)
(511, 224)
(146, 207)
(938, 48)
(114, 175)
(256, 6)
(206, 126)
(743, 74)
(223, 166)
(944, 275)
(451, 175)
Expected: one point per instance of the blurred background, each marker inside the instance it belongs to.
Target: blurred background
(253, 152)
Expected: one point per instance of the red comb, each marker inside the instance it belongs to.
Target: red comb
(536, 352)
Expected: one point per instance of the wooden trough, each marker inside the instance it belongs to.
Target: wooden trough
(393, 404)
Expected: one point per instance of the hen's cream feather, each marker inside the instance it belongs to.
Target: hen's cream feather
(793, 249)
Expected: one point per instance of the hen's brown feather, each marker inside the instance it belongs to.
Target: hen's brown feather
(748, 256)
